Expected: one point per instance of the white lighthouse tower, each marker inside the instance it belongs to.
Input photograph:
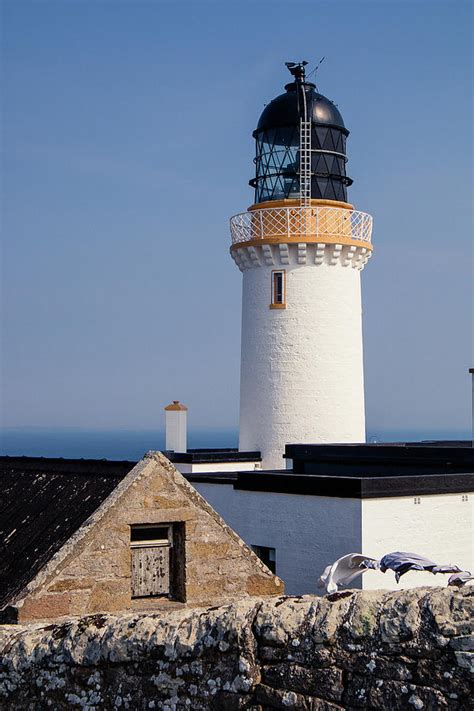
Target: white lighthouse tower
(301, 247)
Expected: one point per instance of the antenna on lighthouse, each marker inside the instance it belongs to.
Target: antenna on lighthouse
(313, 71)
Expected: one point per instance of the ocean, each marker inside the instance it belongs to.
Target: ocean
(133, 444)
(102, 444)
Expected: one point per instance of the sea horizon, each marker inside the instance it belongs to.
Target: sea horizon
(132, 444)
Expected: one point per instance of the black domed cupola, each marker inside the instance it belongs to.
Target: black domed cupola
(278, 144)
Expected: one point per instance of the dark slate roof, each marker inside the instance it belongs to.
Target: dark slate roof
(42, 504)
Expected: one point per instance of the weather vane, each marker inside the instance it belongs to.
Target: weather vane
(297, 69)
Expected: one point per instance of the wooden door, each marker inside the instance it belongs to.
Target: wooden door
(150, 571)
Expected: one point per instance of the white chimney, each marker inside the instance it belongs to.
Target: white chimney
(176, 426)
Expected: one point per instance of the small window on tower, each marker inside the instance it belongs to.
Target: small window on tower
(278, 290)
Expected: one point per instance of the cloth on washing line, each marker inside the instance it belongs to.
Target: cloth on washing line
(458, 580)
(401, 562)
(344, 570)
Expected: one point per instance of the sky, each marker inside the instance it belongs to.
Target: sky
(127, 146)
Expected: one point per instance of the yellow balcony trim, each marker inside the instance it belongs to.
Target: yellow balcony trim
(296, 203)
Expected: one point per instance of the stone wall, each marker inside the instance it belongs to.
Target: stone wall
(404, 650)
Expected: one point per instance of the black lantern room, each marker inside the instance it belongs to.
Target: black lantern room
(277, 138)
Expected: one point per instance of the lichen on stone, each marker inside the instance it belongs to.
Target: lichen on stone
(394, 651)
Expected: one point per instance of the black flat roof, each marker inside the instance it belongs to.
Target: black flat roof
(361, 471)
(210, 456)
(352, 487)
(390, 459)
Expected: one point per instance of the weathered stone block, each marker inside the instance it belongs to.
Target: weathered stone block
(372, 664)
(394, 695)
(291, 701)
(45, 606)
(400, 616)
(363, 620)
(324, 683)
(259, 586)
(71, 584)
(464, 643)
(452, 617)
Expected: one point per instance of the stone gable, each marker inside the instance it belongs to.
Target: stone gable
(92, 572)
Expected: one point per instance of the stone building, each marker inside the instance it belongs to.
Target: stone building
(84, 536)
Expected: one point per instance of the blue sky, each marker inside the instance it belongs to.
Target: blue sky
(127, 146)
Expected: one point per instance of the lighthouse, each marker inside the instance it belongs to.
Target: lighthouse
(301, 248)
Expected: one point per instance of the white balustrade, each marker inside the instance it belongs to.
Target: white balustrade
(299, 223)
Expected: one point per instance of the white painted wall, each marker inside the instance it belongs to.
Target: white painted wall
(308, 532)
(301, 367)
(203, 468)
(439, 527)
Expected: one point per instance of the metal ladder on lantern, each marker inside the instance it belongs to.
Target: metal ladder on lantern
(305, 163)
(305, 175)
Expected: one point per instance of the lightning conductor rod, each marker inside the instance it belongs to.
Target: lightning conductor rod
(299, 72)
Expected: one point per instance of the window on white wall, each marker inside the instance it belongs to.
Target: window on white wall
(267, 556)
(278, 300)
